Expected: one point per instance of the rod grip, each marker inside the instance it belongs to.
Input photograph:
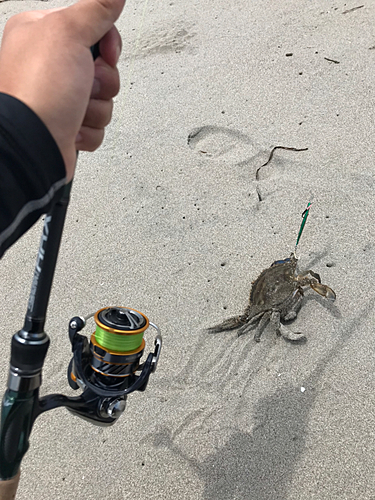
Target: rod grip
(95, 51)
(8, 488)
(18, 412)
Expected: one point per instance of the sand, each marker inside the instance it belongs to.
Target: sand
(166, 218)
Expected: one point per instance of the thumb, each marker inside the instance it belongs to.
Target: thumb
(92, 18)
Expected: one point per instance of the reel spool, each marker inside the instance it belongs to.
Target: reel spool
(117, 344)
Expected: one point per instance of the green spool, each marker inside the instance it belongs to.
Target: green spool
(116, 342)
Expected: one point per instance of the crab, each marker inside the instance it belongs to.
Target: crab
(276, 296)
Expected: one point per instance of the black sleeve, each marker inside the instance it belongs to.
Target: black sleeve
(32, 170)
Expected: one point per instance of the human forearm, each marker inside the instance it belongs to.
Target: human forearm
(32, 171)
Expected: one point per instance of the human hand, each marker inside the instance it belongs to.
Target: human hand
(46, 62)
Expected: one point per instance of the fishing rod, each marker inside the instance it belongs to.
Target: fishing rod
(105, 368)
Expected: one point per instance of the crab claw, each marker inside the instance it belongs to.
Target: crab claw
(324, 291)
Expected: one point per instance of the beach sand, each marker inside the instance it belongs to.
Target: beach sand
(166, 218)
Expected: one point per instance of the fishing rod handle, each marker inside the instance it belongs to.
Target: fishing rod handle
(8, 488)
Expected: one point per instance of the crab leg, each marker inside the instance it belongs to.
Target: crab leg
(294, 305)
(283, 330)
(258, 332)
(289, 335)
(304, 279)
(249, 325)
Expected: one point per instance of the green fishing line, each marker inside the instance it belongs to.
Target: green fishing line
(305, 214)
(115, 342)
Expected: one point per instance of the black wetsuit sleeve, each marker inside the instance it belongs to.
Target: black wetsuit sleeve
(32, 170)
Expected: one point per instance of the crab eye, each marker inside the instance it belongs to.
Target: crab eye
(277, 262)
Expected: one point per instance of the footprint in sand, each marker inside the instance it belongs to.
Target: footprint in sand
(225, 144)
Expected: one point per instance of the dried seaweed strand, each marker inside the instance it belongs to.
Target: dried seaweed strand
(331, 60)
(353, 9)
(271, 156)
(260, 198)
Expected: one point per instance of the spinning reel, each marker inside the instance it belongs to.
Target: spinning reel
(108, 368)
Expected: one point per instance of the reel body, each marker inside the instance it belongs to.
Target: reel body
(108, 368)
